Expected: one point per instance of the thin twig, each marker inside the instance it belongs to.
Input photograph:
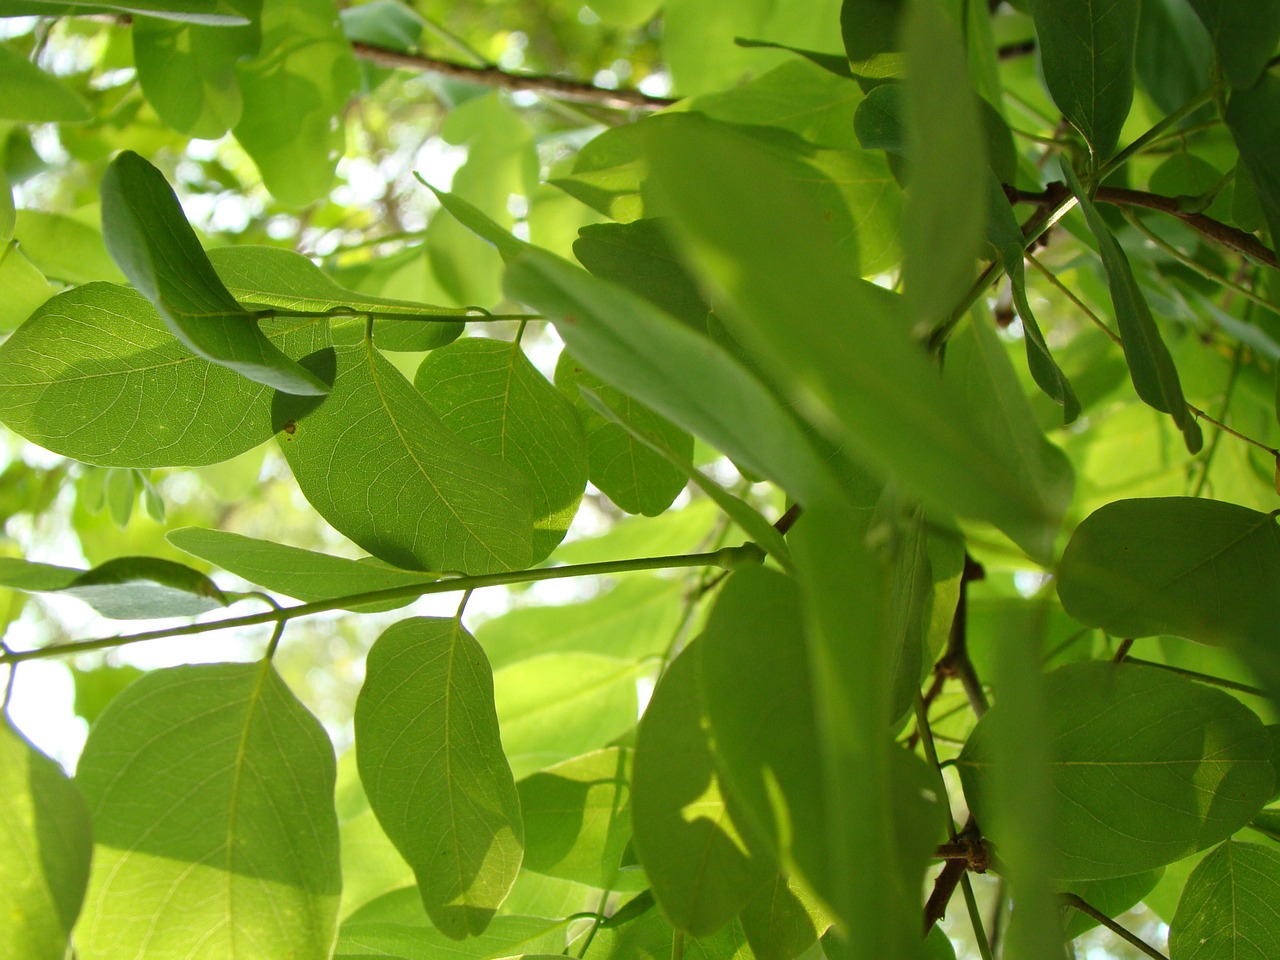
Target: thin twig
(544, 84)
(1201, 677)
(1071, 900)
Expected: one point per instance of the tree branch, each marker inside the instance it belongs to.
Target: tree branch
(1071, 900)
(544, 84)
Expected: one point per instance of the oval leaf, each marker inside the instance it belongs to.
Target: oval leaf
(126, 588)
(1149, 767)
(45, 846)
(1228, 906)
(211, 789)
(149, 238)
(431, 762)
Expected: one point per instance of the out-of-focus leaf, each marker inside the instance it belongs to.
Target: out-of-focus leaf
(1253, 116)
(29, 95)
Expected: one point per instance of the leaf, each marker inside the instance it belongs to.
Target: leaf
(284, 280)
(127, 588)
(8, 215)
(187, 70)
(1252, 119)
(432, 765)
(45, 845)
(383, 23)
(577, 817)
(433, 502)
(701, 871)
(684, 376)
(560, 705)
(1149, 767)
(151, 241)
(1228, 907)
(303, 574)
(65, 248)
(945, 209)
(761, 242)
(633, 476)
(1087, 51)
(26, 288)
(1155, 378)
(1113, 897)
(211, 789)
(212, 12)
(870, 27)
(780, 921)
(29, 95)
(490, 395)
(95, 374)
(294, 92)
(650, 937)
(1244, 36)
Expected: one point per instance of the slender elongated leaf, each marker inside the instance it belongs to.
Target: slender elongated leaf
(701, 871)
(1087, 49)
(1155, 378)
(577, 817)
(119, 390)
(187, 70)
(1149, 767)
(302, 574)
(127, 588)
(490, 395)
(431, 502)
(30, 95)
(559, 705)
(432, 765)
(293, 93)
(45, 845)
(771, 251)
(211, 789)
(212, 12)
(1243, 34)
(151, 241)
(1228, 907)
(1252, 118)
(272, 277)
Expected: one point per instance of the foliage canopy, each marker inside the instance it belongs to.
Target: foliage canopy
(898, 381)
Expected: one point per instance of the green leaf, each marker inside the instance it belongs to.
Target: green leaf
(1155, 378)
(559, 705)
(95, 374)
(25, 287)
(149, 238)
(1149, 767)
(212, 12)
(434, 502)
(1253, 117)
(432, 765)
(1228, 907)
(577, 817)
(29, 95)
(625, 13)
(694, 856)
(761, 241)
(302, 574)
(8, 215)
(187, 70)
(294, 92)
(781, 921)
(1087, 51)
(945, 210)
(636, 478)
(120, 491)
(127, 588)
(683, 375)
(383, 23)
(65, 248)
(490, 395)
(45, 846)
(870, 27)
(211, 789)
(1244, 36)
(1112, 896)
(650, 937)
(633, 620)
(281, 279)
(97, 687)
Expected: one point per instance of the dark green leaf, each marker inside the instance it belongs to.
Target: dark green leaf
(870, 27)
(1243, 34)
(1149, 767)
(1228, 907)
(29, 95)
(1174, 56)
(1087, 49)
(127, 588)
(490, 395)
(302, 574)
(151, 241)
(1155, 378)
(45, 846)
(212, 795)
(432, 765)
(432, 502)
(1253, 116)
(114, 358)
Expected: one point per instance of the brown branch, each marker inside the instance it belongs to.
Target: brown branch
(544, 84)
(955, 660)
(1245, 244)
(1077, 903)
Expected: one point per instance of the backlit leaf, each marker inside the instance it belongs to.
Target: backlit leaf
(432, 765)
(1228, 907)
(30, 95)
(127, 588)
